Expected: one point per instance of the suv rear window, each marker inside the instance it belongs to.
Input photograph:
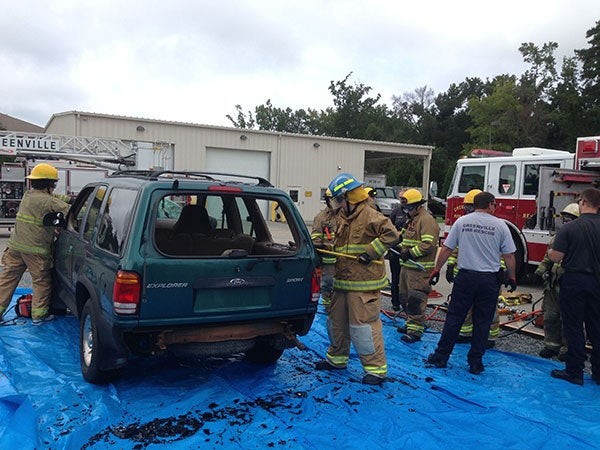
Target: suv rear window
(223, 224)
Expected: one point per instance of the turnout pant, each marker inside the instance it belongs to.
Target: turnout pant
(327, 272)
(354, 317)
(477, 290)
(579, 305)
(40, 267)
(553, 335)
(414, 287)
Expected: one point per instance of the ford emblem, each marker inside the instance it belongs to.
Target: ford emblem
(237, 281)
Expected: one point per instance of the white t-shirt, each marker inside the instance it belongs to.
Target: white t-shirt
(482, 239)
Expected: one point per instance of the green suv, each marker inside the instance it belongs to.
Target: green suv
(184, 263)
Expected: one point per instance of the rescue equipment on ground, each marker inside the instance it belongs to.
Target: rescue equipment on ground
(23, 306)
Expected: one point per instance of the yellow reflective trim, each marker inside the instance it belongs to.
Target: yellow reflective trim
(425, 264)
(29, 219)
(380, 249)
(338, 361)
(415, 327)
(351, 249)
(426, 237)
(341, 185)
(329, 260)
(28, 249)
(360, 286)
(376, 369)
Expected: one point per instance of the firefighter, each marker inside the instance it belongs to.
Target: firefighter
(399, 219)
(30, 245)
(466, 330)
(365, 236)
(419, 245)
(322, 235)
(555, 343)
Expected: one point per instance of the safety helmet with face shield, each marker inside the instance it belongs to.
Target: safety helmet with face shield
(469, 200)
(410, 200)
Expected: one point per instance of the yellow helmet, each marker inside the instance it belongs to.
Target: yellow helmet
(470, 197)
(43, 171)
(372, 192)
(412, 196)
(571, 208)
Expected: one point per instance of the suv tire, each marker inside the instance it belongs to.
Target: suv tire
(90, 349)
(264, 352)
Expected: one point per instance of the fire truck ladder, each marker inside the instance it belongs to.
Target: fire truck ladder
(103, 152)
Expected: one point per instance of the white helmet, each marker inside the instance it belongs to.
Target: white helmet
(571, 208)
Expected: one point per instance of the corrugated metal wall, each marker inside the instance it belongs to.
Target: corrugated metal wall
(305, 162)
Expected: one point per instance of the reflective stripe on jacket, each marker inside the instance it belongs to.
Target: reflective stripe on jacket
(363, 231)
(421, 236)
(30, 235)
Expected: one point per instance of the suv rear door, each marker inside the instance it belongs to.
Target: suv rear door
(242, 268)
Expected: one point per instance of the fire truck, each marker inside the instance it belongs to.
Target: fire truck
(532, 186)
(79, 160)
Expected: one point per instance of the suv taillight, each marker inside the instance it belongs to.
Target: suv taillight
(126, 292)
(315, 286)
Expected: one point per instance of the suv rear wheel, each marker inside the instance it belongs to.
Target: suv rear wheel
(90, 349)
(264, 352)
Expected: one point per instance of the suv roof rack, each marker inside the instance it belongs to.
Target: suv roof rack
(155, 174)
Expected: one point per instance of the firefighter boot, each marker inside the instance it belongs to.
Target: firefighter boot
(568, 376)
(372, 380)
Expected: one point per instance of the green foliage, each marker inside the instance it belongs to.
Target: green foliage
(549, 105)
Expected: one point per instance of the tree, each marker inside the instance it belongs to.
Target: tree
(590, 78)
(242, 120)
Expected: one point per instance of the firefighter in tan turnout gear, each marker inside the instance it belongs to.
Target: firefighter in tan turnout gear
(364, 236)
(418, 252)
(322, 235)
(30, 245)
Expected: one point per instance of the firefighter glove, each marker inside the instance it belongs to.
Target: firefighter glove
(434, 277)
(450, 274)
(510, 284)
(364, 258)
(405, 255)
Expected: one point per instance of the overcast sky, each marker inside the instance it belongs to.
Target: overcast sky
(193, 61)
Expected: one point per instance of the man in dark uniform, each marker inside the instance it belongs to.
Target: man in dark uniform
(577, 248)
(482, 239)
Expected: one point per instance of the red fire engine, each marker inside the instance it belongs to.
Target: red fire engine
(531, 185)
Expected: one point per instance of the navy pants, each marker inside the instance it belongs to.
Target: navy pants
(579, 298)
(471, 289)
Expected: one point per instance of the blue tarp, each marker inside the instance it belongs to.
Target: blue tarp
(229, 403)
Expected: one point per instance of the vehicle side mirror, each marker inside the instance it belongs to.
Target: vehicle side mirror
(54, 219)
(433, 189)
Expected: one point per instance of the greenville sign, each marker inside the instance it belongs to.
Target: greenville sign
(9, 145)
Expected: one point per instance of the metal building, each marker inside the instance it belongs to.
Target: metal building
(302, 165)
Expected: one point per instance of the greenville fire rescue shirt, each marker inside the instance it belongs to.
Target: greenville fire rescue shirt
(482, 238)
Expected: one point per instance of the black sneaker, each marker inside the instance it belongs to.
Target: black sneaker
(373, 380)
(548, 352)
(476, 367)
(326, 365)
(570, 377)
(433, 360)
(411, 338)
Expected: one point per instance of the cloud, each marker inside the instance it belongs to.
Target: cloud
(195, 60)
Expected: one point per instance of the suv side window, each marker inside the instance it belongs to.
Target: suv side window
(96, 202)
(79, 210)
(114, 221)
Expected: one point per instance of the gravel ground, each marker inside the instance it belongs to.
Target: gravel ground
(508, 340)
